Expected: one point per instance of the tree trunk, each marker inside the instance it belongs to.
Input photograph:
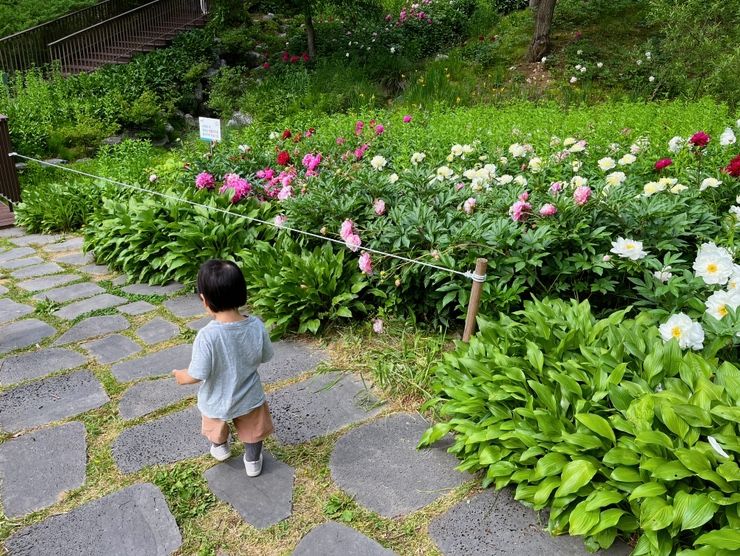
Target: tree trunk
(542, 23)
(310, 32)
(534, 4)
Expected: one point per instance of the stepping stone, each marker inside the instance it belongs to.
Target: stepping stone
(47, 282)
(159, 363)
(262, 501)
(72, 244)
(171, 438)
(494, 523)
(157, 330)
(199, 323)
(70, 293)
(97, 269)
(335, 539)
(11, 232)
(78, 308)
(37, 270)
(185, 306)
(137, 308)
(50, 399)
(35, 239)
(146, 289)
(13, 264)
(318, 406)
(291, 359)
(135, 520)
(37, 364)
(15, 253)
(151, 395)
(120, 281)
(112, 348)
(379, 465)
(56, 455)
(76, 259)
(93, 327)
(23, 333)
(3, 290)
(10, 310)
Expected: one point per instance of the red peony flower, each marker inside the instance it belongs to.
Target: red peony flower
(286, 56)
(283, 158)
(294, 59)
(663, 163)
(699, 139)
(286, 134)
(733, 168)
(305, 57)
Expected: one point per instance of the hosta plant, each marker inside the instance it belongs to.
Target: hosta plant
(616, 431)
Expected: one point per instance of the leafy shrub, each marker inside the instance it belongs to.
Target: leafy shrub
(614, 430)
(58, 206)
(507, 6)
(301, 290)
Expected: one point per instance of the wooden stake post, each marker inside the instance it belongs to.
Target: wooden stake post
(478, 278)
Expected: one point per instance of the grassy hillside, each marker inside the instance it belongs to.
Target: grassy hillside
(19, 15)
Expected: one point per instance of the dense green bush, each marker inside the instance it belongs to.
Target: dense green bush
(614, 430)
(58, 206)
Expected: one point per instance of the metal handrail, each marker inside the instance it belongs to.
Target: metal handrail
(35, 28)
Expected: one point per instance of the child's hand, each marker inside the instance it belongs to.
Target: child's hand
(181, 376)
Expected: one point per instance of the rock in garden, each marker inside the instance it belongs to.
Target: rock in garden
(23, 333)
(335, 539)
(36, 364)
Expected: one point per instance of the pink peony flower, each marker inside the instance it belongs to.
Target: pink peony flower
(379, 129)
(360, 151)
(353, 242)
(407, 119)
(459, 186)
(311, 161)
(582, 194)
(519, 210)
(347, 229)
(285, 193)
(379, 206)
(238, 185)
(700, 139)
(204, 180)
(266, 65)
(663, 163)
(280, 220)
(266, 174)
(359, 126)
(366, 263)
(378, 326)
(524, 197)
(556, 187)
(548, 210)
(469, 205)
(341, 140)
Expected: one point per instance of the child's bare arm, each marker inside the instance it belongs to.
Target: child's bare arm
(182, 377)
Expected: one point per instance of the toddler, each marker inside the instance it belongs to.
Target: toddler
(226, 354)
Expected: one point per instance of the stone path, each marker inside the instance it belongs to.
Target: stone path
(66, 377)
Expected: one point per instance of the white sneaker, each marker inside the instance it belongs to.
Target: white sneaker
(221, 451)
(253, 468)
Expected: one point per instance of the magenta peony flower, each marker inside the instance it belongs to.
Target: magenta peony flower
(700, 139)
(204, 180)
(379, 206)
(469, 205)
(548, 210)
(347, 229)
(582, 194)
(266, 174)
(353, 242)
(285, 193)
(366, 263)
(556, 187)
(407, 119)
(280, 220)
(663, 163)
(379, 129)
(341, 140)
(359, 126)
(524, 197)
(519, 210)
(733, 168)
(311, 161)
(378, 326)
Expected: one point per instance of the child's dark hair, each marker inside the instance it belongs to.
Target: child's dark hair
(222, 284)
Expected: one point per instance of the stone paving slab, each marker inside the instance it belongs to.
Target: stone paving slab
(35, 239)
(291, 359)
(36, 364)
(494, 523)
(132, 521)
(146, 289)
(47, 282)
(157, 330)
(14, 264)
(93, 327)
(262, 501)
(171, 438)
(3, 290)
(136, 308)
(335, 539)
(197, 324)
(97, 269)
(71, 293)
(151, 395)
(23, 333)
(37, 467)
(379, 465)
(10, 310)
(15, 253)
(36, 270)
(11, 232)
(78, 308)
(76, 259)
(158, 363)
(112, 348)
(50, 399)
(71, 244)
(318, 406)
(185, 306)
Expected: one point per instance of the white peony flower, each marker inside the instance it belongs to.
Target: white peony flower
(720, 301)
(573, 79)
(520, 180)
(727, 137)
(444, 172)
(663, 275)
(606, 163)
(676, 143)
(680, 327)
(651, 188)
(457, 150)
(450, 158)
(628, 249)
(627, 159)
(578, 146)
(467, 149)
(505, 179)
(678, 188)
(583, 69)
(709, 182)
(535, 164)
(517, 151)
(576, 165)
(735, 211)
(733, 283)
(274, 135)
(393, 178)
(417, 158)
(568, 141)
(651, 78)
(615, 178)
(599, 65)
(713, 264)
(578, 181)
(378, 162)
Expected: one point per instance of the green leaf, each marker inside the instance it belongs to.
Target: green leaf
(692, 510)
(655, 514)
(693, 459)
(624, 456)
(343, 312)
(597, 424)
(672, 471)
(545, 489)
(433, 434)
(549, 464)
(581, 520)
(726, 538)
(728, 413)
(576, 474)
(603, 497)
(647, 490)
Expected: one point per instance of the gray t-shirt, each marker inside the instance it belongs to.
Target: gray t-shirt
(225, 358)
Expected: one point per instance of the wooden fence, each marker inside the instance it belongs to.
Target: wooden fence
(9, 188)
